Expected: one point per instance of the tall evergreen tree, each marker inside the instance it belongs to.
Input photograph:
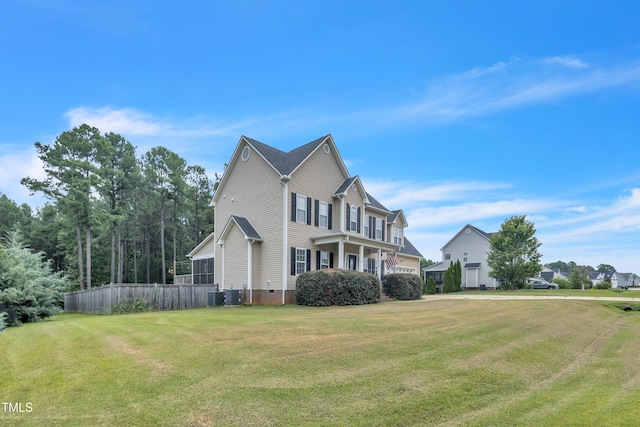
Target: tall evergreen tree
(71, 168)
(119, 177)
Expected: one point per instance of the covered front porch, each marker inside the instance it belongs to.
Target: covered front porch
(356, 252)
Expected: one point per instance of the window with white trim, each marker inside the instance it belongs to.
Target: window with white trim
(465, 256)
(378, 229)
(370, 266)
(366, 226)
(301, 209)
(324, 260)
(397, 236)
(447, 257)
(323, 214)
(301, 261)
(353, 218)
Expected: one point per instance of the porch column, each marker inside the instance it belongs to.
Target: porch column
(361, 258)
(341, 254)
(379, 263)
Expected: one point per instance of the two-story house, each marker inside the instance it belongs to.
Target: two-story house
(470, 246)
(279, 214)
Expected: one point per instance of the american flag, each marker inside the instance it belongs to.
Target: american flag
(391, 261)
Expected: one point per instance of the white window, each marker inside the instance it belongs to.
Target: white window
(301, 261)
(301, 209)
(353, 219)
(370, 266)
(397, 236)
(378, 229)
(465, 256)
(447, 257)
(366, 226)
(323, 214)
(324, 260)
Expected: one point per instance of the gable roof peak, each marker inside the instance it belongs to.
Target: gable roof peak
(286, 162)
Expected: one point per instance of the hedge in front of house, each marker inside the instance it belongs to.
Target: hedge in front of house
(337, 287)
(402, 286)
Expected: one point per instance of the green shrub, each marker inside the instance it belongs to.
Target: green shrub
(402, 286)
(605, 284)
(562, 283)
(337, 287)
(430, 286)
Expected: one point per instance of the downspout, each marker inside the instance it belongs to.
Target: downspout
(222, 264)
(250, 269)
(284, 180)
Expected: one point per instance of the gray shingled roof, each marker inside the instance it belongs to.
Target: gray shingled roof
(409, 249)
(246, 227)
(393, 215)
(346, 184)
(285, 163)
(375, 203)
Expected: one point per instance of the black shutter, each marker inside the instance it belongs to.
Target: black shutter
(330, 259)
(308, 260)
(317, 260)
(316, 220)
(383, 227)
(330, 214)
(293, 261)
(359, 215)
(372, 227)
(294, 198)
(308, 210)
(348, 217)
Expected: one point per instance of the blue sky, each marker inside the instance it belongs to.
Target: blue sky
(455, 111)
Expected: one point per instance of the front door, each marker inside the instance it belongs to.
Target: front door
(352, 262)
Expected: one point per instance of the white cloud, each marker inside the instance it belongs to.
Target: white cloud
(126, 121)
(507, 85)
(15, 165)
(569, 61)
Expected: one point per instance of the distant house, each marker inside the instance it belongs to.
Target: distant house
(597, 277)
(470, 246)
(280, 214)
(549, 274)
(624, 280)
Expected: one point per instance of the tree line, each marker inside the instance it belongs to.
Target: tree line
(113, 216)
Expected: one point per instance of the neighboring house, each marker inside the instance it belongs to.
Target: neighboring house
(470, 246)
(549, 274)
(278, 215)
(597, 277)
(620, 280)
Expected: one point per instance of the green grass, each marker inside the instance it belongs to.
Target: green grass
(615, 293)
(445, 362)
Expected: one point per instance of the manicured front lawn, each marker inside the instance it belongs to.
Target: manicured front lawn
(448, 362)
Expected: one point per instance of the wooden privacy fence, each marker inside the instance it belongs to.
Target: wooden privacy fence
(160, 297)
